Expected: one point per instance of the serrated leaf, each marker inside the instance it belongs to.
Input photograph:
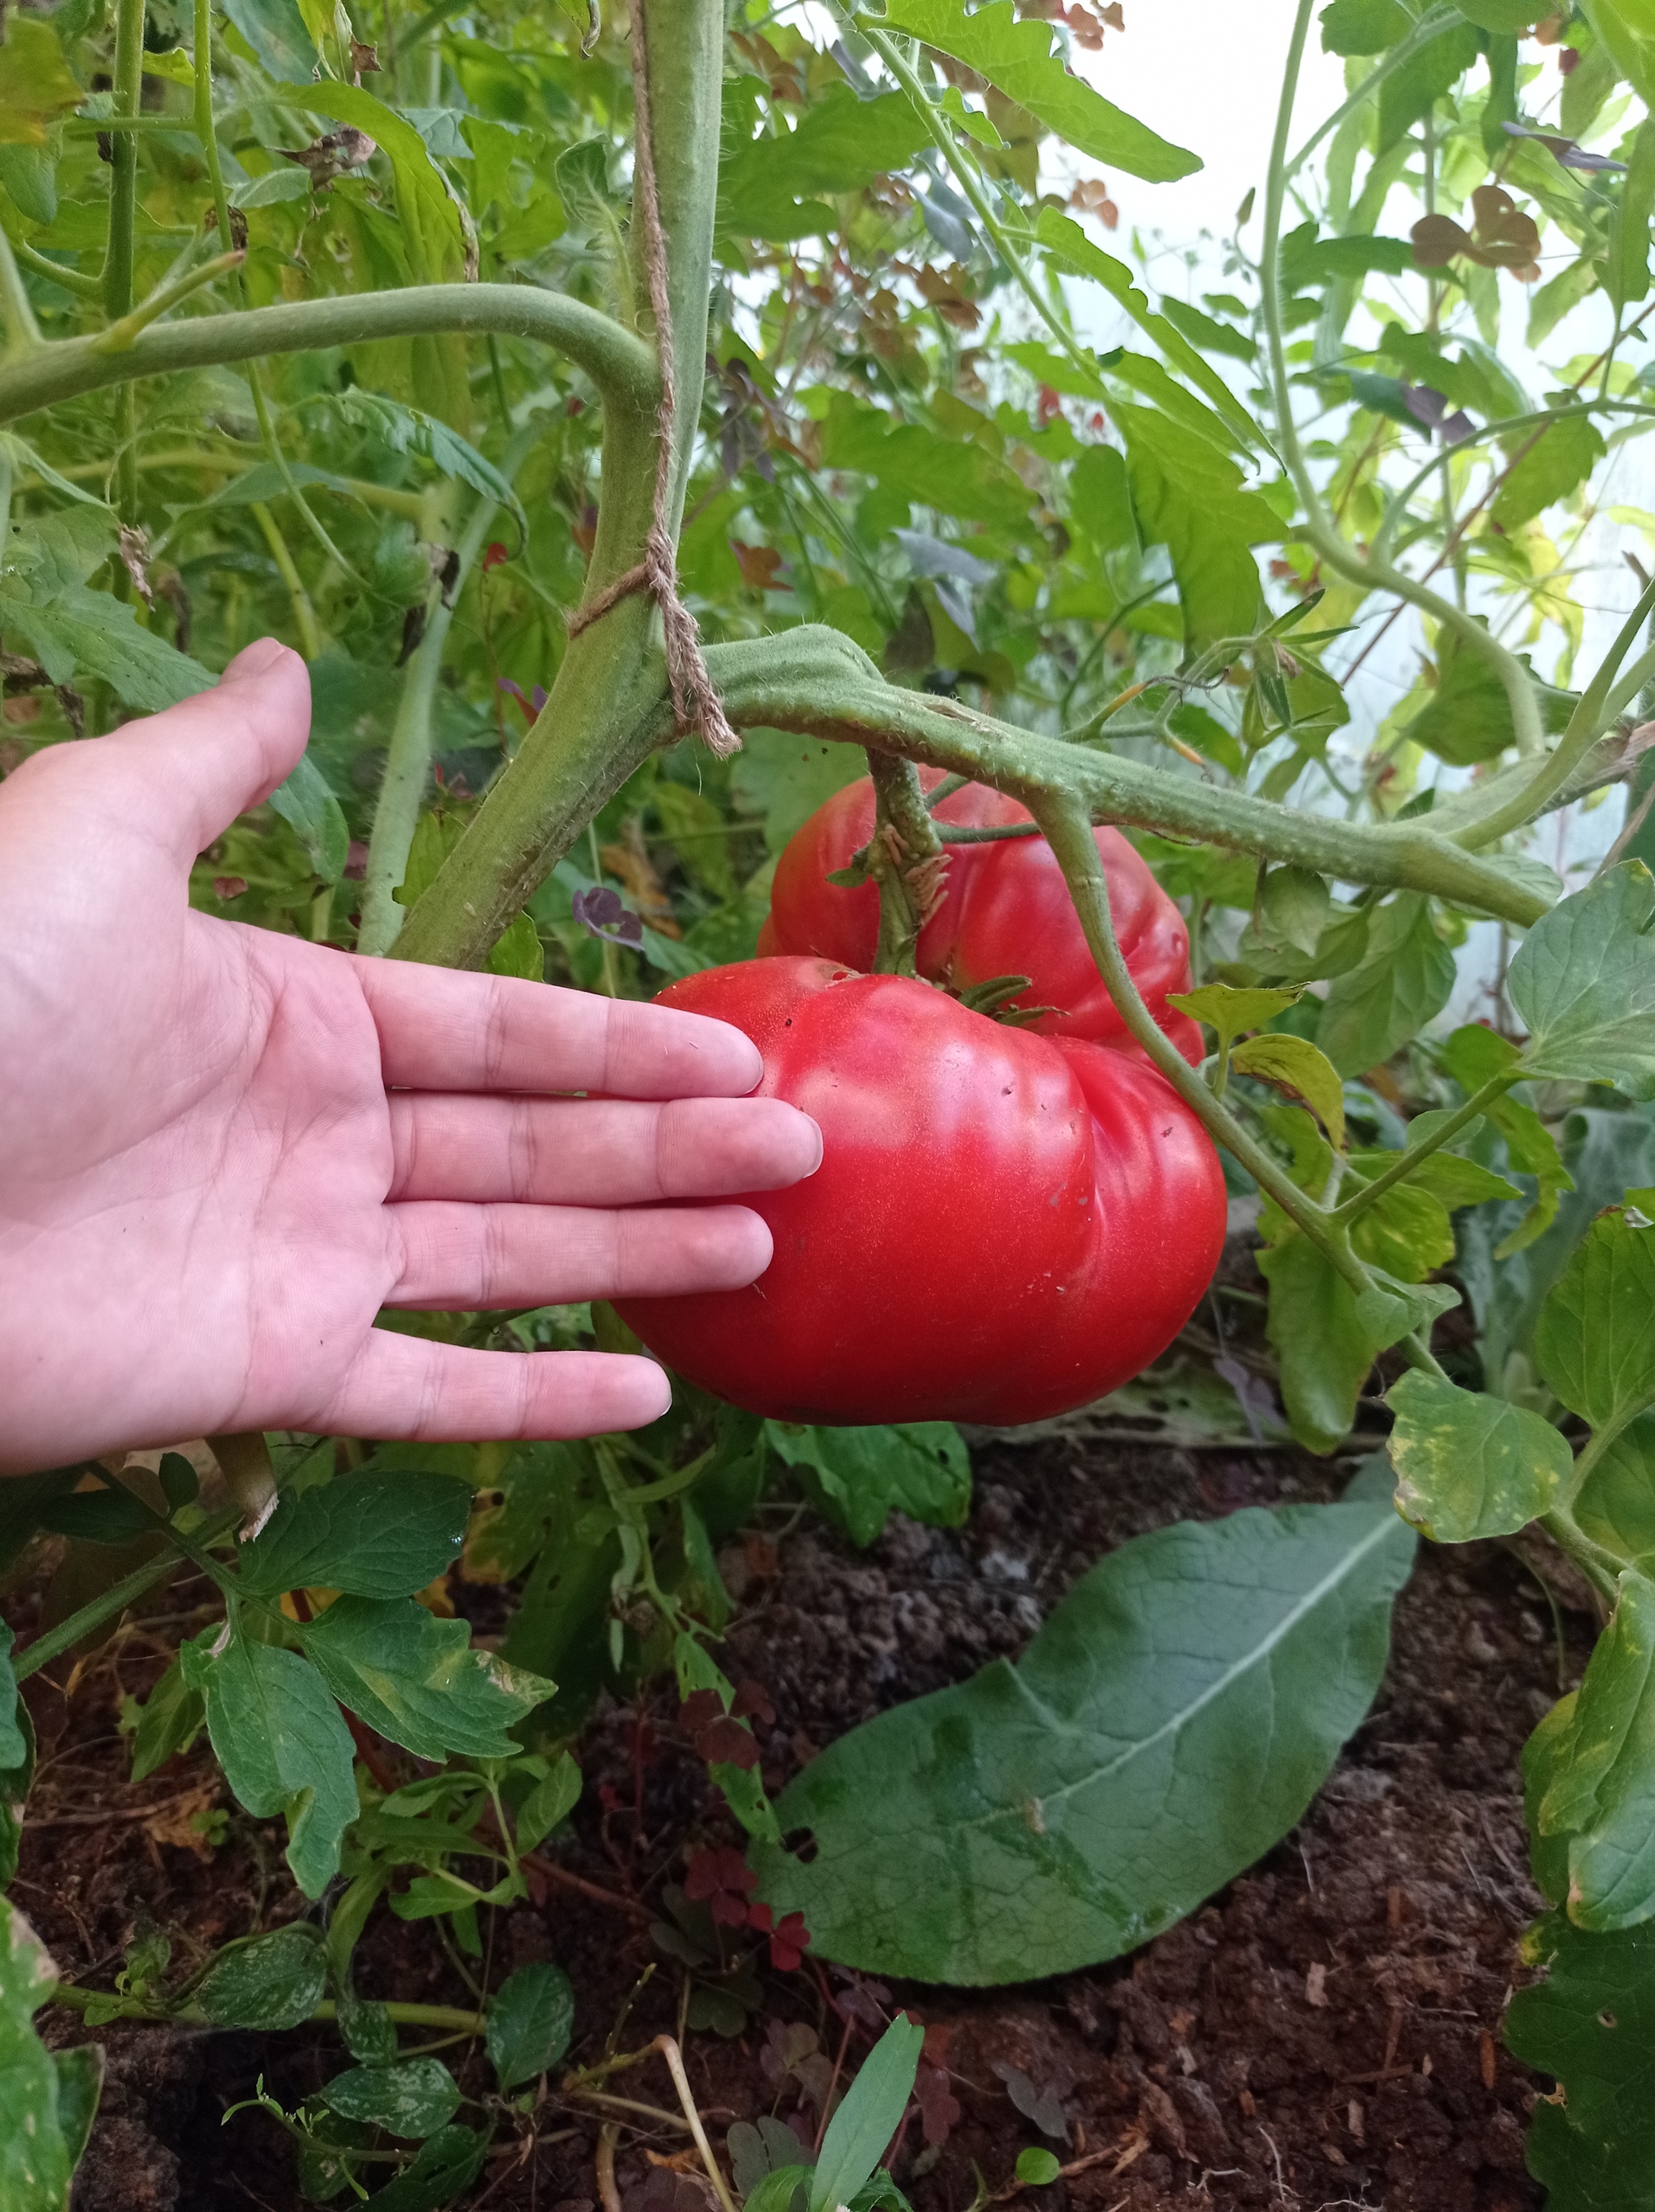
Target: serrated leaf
(430, 217)
(24, 459)
(36, 84)
(839, 144)
(409, 430)
(1468, 1465)
(270, 1982)
(530, 2020)
(77, 633)
(281, 1742)
(1468, 717)
(1230, 1012)
(1363, 26)
(1388, 1309)
(1583, 981)
(370, 1535)
(1560, 459)
(860, 1476)
(1298, 906)
(1404, 980)
(551, 1801)
(418, 1680)
(1413, 90)
(1168, 1724)
(412, 2100)
(1473, 1055)
(1017, 57)
(1595, 1342)
(1602, 1790)
(1591, 2024)
(1295, 1065)
(445, 2168)
(172, 1712)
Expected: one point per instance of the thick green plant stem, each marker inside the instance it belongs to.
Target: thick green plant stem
(405, 2016)
(815, 681)
(408, 759)
(1331, 548)
(906, 858)
(121, 253)
(597, 724)
(617, 360)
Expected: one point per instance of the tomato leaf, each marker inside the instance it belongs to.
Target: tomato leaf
(1052, 1814)
(270, 1982)
(1583, 981)
(857, 1477)
(306, 804)
(1188, 496)
(1615, 1503)
(1595, 1344)
(37, 84)
(1601, 1792)
(1293, 1064)
(420, 1681)
(1230, 1012)
(1562, 456)
(1468, 1465)
(1324, 1345)
(530, 2020)
(1403, 980)
(379, 1536)
(275, 31)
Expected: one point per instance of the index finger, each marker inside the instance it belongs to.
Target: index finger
(440, 1030)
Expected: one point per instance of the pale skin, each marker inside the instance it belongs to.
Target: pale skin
(223, 1151)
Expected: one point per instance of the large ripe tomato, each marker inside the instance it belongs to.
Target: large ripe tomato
(1003, 1225)
(1006, 911)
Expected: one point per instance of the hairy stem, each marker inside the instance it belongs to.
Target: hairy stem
(906, 858)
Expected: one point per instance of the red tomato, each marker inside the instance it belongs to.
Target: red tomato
(1003, 1225)
(1007, 911)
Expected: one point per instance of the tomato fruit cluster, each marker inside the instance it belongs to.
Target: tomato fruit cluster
(1004, 1225)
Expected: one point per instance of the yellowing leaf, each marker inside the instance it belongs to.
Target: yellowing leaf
(1292, 1063)
(1230, 1012)
(36, 83)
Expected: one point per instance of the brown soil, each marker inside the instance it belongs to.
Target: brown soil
(1324, 2034)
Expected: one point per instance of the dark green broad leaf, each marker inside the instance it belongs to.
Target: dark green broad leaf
(1600, 1790)
(445, 2168)
(1468, 717)
(868, 2117)
(1363, 26)
(1615, 1503)
(909, 462)
(372, 1535)
(1017, 57)
(306, 804)
(418, 1680)
(1325, 1346)
(840, 144)
(35, 2161)
(412, 2100)
(78, 633)
(1468, 1465)
(530, 2020)
(1595, 1344)
(1410, 92)
(281, 1742)
(98, 1517)
(409, 430)
(1558, 462)
(275, 31)
(1188, 495)
(1591, 2025)
(1309, 261)
(1170, 1721)
(856, 1476)
(270, 1981)
(1402, 982)
(551, 1799)
(1583, 981)
(171, 1713)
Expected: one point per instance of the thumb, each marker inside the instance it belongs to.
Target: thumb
(211, 757)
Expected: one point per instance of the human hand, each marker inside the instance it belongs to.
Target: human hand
(223, 1151)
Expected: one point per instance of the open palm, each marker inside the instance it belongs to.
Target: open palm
(223, 1151)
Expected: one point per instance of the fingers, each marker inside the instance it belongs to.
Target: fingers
(202, 763)
(595, 1152)
(442, 1030)
(473, 1258)
(401, 1387)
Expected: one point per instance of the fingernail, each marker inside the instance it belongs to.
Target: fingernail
(817, 1162)
(257, 658)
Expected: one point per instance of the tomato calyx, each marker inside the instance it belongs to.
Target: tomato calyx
(993, 996)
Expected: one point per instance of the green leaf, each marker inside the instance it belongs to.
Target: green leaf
(861, 1475)
(551, 1801)
(1017, 57)
(80, 2085)
(281, 1742)
(1630, 220)
(530, 2020)
(581, 172)
(270, 1982)
(77, 634)
(445, 2168)
(1591, 2024)
(412, 2100)
(1562, 457)
(1595, 1343)
(371, 1535)
(419, 1680)
(98, 1517)
(1468, 717)
(306, 804)
(910, 463)
(1037, 2166)
(1602, 1791)
(868, 2117)
(840, 144)
(1404, 980)
(172, 1714)
(1389, 1309)
(1186, 496)
(1169, 1722)
(1298, 906)
(16, 1777)
(34, 2158)
(1470, 1466)
(1294, 1064)
(1363, 26)
(428, 209)
(37, 84)
(1615, 1503)
(518, 952)
(275, 31)
(784, 778)
(1626, 29)
(1473, 1056)
(24, 458)
(1412, 91)
(1324, 1345)
(1232, 1011)
(1583, 981)
(409, 430)
(13, 1751)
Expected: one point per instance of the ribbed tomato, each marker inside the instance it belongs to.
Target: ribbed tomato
(1003, 1225)
(1006, 911)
